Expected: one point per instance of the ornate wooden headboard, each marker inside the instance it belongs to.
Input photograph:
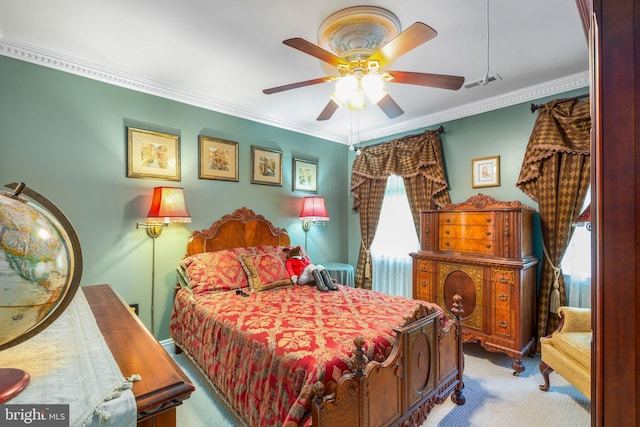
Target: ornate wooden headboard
(243, 228)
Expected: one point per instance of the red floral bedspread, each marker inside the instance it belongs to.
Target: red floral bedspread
(266, 351)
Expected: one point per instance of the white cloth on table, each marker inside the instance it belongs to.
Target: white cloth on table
(70, 363)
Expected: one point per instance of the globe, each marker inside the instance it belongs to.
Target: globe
(40, 264)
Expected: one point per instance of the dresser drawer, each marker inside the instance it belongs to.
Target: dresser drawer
(503, 275)
(467, 218)
(423, 280)
(467, 245)
(503, 323)
(502, 296)
(480, 232)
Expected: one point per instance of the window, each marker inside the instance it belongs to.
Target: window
(576, 265)
(395, 238)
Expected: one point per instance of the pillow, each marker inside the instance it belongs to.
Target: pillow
(183, 280)
(265, 271)
(278, 250)
(212, 272)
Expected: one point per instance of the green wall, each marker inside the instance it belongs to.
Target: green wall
(65, 137)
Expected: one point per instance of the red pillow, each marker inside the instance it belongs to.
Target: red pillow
(211, 272)
(265, 271)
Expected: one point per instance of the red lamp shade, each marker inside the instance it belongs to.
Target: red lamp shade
(168, 205)
(313, 209)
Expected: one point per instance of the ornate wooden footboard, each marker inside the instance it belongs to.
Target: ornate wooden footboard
(425, 367)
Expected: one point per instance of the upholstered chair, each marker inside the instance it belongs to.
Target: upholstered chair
(568, 350)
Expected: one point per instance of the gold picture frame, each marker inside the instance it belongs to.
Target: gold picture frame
(266, 166)
(305, 175)
(485, 172)
(217, 159)
(152, 155)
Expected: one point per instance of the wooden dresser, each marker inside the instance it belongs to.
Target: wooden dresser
(482, 249)
(163, 385)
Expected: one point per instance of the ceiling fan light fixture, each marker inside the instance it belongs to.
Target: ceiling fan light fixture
(357, 101)
(346, 87)
(373, 86)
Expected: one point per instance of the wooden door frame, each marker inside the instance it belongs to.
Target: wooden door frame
(615, 207)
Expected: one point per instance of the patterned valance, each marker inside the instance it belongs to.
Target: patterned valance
(407, 157)
(561, 127)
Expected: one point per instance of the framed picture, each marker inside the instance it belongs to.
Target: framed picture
(153, 155)
(485, 172)
(218, 159)
(305, 175)
(266, 166)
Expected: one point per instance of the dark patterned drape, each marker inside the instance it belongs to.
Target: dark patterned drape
(556, 173)
(418, 160)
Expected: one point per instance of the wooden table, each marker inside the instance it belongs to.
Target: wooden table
(164, 385)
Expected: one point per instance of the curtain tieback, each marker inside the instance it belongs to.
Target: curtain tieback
(554, 303)
(367, 261)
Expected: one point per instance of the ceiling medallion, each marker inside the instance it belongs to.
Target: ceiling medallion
(357, 32)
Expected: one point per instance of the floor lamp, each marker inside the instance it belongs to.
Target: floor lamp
(313, 212)
(167, 206)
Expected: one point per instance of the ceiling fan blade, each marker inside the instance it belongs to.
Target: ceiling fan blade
(389, 106)
(297, 85)
(410, 38)
(313, 50)
(442, 81)
(328, 111)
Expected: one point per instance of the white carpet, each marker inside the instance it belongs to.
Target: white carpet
(494, 397)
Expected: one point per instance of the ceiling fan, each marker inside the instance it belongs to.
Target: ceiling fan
(365, 40)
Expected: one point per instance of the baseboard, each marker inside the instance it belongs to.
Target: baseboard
(166, 343)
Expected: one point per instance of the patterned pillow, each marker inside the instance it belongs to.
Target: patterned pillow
(279, 250)
(266, 271)
(212, 272)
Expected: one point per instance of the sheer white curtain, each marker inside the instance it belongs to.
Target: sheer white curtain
(576, 265)
(394, 239)
(576, 268)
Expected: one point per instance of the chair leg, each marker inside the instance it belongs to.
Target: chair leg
(545, 370)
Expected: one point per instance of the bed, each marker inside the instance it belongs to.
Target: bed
(290, 355)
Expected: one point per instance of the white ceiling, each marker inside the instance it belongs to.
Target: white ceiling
(220, 55)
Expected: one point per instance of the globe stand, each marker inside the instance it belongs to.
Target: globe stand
(12, 382)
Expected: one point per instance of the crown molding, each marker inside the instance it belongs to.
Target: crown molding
(35, 55)
(29, 53)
